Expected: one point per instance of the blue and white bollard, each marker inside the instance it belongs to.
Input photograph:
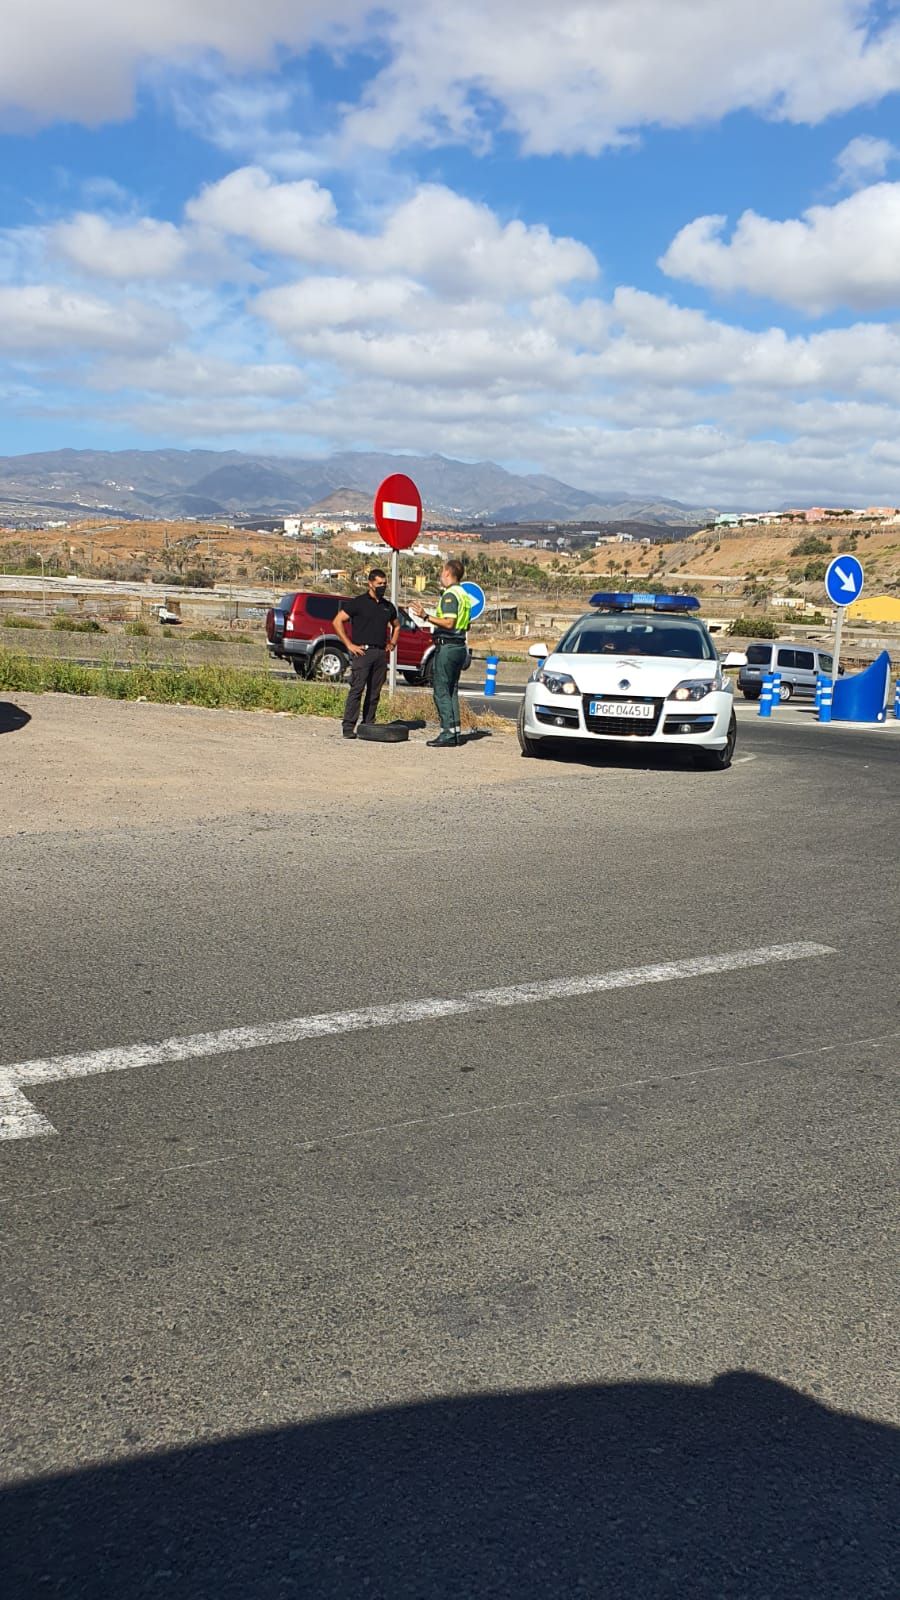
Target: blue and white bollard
(897, 699)
(490, 675)
(776, 689)
(765, 696)
(820, 681)
(825, 701)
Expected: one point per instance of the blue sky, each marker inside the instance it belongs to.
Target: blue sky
(650, 246)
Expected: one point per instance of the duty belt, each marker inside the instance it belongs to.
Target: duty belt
(450, 638)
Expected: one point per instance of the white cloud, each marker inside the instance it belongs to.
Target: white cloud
(568, 77)
(293, 219)
(440, 237)
(847, 254)
(54, 320)
(864, 160)
(124, 250)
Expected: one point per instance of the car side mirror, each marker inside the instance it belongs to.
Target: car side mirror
(734, 658)
(539, 651)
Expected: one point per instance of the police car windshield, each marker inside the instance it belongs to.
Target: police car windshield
(638, 634)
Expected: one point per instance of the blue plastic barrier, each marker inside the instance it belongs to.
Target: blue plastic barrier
(825, 699)
(776, 689)
(821, 679)
(765, 696)
(863, 697)
(490, 675)
(897, 699)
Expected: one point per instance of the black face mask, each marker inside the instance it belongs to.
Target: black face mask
(379, 589)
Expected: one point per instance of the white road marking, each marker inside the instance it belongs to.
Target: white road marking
(399, 511)
(20, 1120)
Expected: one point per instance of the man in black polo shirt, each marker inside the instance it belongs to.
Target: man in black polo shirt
(374, 629)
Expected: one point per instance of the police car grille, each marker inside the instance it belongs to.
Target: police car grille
(624, 727)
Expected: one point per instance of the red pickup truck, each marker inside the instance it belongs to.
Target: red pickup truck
(300, 629)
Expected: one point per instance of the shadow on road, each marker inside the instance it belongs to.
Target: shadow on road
(636, 1491)
(12, 718)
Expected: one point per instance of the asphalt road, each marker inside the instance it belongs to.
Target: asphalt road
(593, 1294)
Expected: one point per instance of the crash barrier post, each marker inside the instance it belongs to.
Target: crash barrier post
(821, 679)
(765, 696)
(825, 700)
(776, 689)
(897, 699)
(490, 675)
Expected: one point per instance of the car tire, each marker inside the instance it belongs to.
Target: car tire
(329, 664)
(300, 666)
(414, 679)
(529, 746)
(750, 694)
(718, 760)
(786, 692)
(426, 676)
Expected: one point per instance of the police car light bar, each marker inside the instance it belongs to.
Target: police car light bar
(653, 602)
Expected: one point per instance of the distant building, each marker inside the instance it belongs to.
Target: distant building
(293, 527)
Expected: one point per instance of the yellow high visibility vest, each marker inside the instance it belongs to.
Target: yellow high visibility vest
(459, 623)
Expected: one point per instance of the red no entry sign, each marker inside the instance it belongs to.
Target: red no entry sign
(398, 511)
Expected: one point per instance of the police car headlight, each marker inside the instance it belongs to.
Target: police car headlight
(556, 682)
(696, 688)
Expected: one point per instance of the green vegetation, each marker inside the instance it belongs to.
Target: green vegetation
(811, 546)
(66, 624)
(138, 630)
(814, 571)
(753, 628)
(208, 635)
(20, 622)
(215, 687)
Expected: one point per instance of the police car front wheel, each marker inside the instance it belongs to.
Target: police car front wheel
(528, 745)
(718, 760)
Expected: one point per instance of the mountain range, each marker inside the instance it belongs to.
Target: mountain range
(160, 484)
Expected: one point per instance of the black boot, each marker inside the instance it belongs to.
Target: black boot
(444, 741)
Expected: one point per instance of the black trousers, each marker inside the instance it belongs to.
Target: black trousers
(367, 675)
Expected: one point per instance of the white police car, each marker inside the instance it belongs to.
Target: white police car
(639, 666)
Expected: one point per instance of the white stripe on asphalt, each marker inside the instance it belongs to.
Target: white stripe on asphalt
(20, 1120)
(399, 511)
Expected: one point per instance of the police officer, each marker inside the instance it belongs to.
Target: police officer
(451, 623)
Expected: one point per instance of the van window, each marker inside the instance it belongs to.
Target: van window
(787, 658)
(285, 603)
(806, 661)
(826, 663)
(759, 655)
(324, 607)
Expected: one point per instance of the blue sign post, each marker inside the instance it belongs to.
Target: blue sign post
(843, 585)
(477, 598)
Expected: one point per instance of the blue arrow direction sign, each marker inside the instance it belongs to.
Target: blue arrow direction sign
(844, 580)
(477, 598)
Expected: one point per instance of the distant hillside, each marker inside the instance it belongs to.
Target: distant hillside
(210, 483)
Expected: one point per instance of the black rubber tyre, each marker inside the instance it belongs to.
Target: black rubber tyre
(300, 666)
(750, 694)
(786, 693)
(329, 664)
(414, 679)
(426, 676)
(529, 746)
(718, 760)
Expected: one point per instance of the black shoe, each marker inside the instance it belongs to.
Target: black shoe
(349, 733)
(444, 741)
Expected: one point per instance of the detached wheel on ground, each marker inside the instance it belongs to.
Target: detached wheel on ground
(528, 745)
(718, 760)
(329, 664)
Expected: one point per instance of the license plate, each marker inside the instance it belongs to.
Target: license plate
(620, 708)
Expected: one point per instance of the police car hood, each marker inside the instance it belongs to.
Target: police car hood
(654, 676)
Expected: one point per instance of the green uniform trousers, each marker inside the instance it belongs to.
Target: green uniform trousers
(449, 660)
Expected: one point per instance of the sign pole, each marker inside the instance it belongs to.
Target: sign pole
(838, 632)
(395, 597)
